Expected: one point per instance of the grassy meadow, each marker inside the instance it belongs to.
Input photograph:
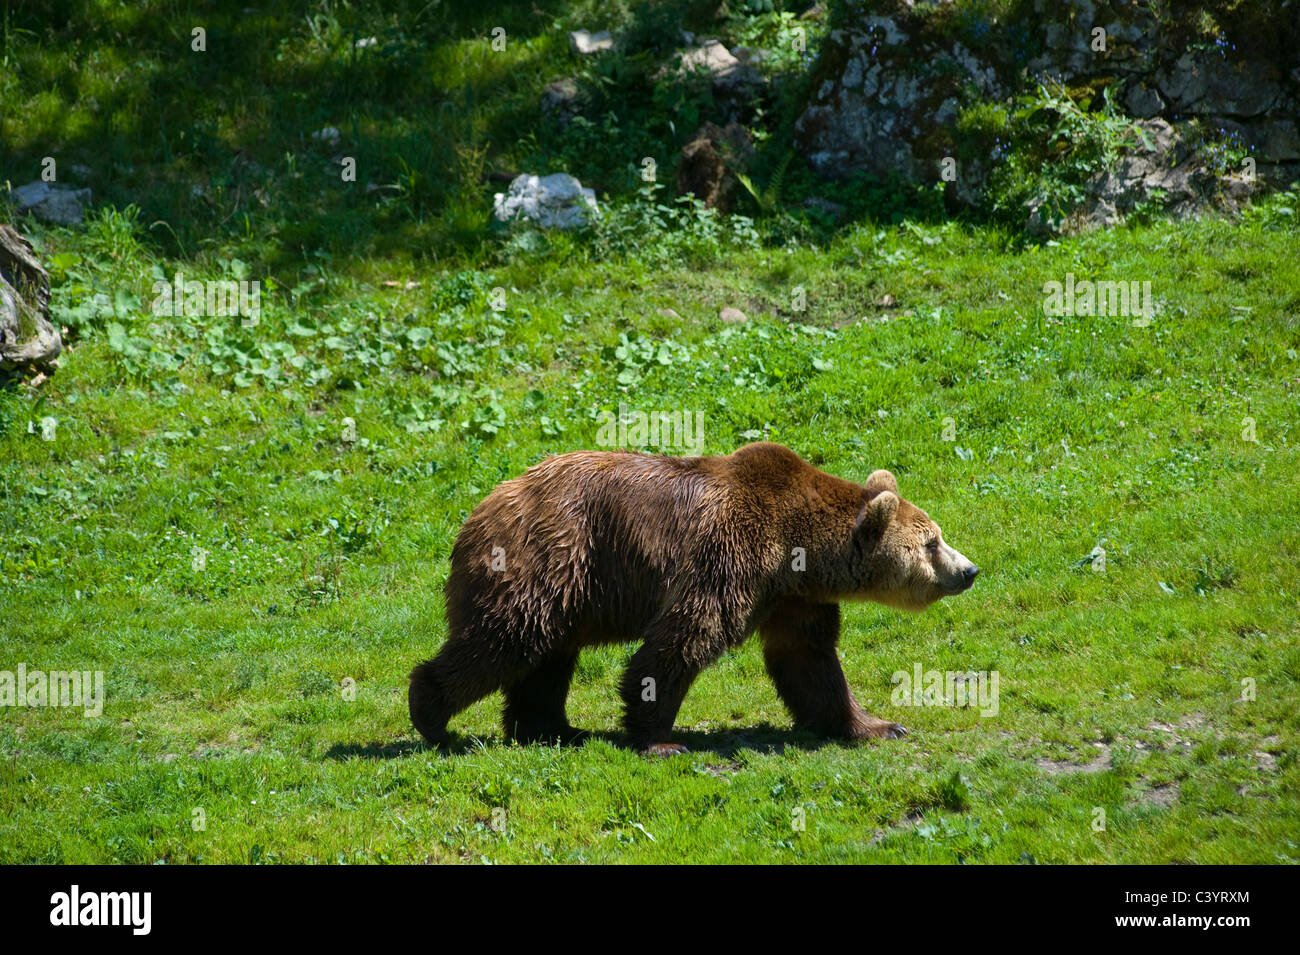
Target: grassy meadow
(247, 528)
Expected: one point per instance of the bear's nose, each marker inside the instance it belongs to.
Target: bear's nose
(970, 573)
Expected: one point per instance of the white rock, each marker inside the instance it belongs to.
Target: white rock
(585, 42)
(558, 200)
(716, 60)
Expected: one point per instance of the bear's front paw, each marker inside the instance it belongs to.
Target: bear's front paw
(664, 749)
(869, 727)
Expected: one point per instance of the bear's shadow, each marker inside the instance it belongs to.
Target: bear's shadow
(724, 743)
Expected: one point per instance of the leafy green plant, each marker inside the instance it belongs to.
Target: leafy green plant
(658, 231)
(1056, 146)
(768, 199)
(489, 415)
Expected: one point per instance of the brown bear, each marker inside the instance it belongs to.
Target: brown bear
(689, 556)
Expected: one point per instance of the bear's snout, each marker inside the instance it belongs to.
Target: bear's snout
(965, 577)
(961, 573)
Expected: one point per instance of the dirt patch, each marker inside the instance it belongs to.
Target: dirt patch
(1164, 795)
(760, 306)
(1057, 767)
(723, 770)
(907, 824)
(1175, 735)
(1194, 721)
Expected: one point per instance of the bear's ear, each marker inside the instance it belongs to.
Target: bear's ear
(881, 481)
(876, 512)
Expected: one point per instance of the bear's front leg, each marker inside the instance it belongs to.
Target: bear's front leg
(656, 681)
(799, 640)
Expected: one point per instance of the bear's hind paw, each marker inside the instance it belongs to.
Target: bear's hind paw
(664, 749)
(871, 727)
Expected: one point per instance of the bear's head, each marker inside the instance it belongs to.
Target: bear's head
(908, 564)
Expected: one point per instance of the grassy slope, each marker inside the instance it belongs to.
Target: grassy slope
(223, 684)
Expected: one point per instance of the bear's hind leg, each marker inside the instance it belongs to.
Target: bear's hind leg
(534, 710)
(799, 641)
(442, 687)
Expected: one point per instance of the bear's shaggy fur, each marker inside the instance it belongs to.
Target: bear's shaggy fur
(689, 556)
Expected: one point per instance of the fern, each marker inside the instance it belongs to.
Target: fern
(768, 199)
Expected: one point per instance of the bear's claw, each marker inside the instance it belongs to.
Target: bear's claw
(871, 727)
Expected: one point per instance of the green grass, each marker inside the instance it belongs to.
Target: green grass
(1120, 690)
(223, 685)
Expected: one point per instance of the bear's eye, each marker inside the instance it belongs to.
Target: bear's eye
(932, 544)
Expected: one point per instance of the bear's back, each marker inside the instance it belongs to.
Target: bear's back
(586, 538)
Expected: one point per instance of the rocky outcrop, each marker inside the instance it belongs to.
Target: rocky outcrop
(895, 78)
(27, 338)
(725, 71)
(881, 94)
(735, 82)
(1163, 165)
